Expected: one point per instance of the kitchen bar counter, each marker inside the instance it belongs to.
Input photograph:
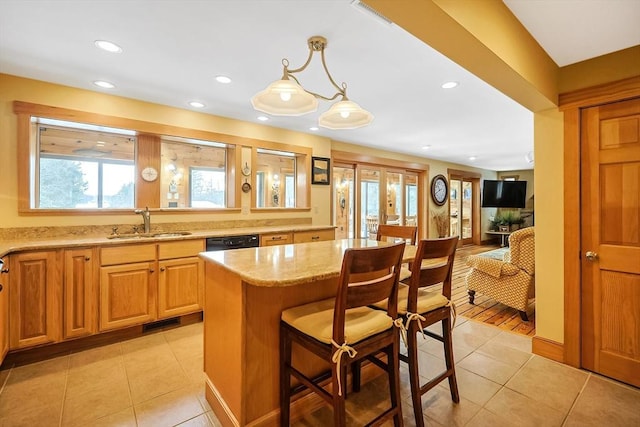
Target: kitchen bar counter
(245, 292)
(34, 243)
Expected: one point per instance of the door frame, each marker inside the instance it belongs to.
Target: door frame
(571, 104)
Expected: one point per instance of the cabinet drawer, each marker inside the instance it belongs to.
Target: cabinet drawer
(180, 249)
(313, 236)
(127, 254)
(276, 239)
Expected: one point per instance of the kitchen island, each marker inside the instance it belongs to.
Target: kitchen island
(245, 292)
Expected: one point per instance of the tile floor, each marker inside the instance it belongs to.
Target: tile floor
(156, 380)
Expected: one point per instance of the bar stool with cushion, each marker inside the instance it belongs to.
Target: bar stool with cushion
(421, 307)
(391, 233)
(346, 329)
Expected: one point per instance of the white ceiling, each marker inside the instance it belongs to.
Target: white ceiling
(173, 49)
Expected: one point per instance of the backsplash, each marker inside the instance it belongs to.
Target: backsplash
(19, 233)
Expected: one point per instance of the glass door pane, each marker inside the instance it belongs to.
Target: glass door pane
(411, 200)
(369, 202)
(467, 213)
(455, 207)
(343, 209)
(393, 207)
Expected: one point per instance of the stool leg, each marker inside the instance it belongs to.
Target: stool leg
(393, 367)
(414, 377)
(448, 357)
(472, 296)
(356, 367)
(285, 377)
(339, 413)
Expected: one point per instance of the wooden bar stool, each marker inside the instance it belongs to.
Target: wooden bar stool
(346, 329)
(420, 308)
(391, 233)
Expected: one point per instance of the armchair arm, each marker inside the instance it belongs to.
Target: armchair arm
(492, 267)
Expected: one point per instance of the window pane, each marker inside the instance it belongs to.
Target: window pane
(207, 188)
(118, 189)
(84, 166)
(193, 173)
(278, 170)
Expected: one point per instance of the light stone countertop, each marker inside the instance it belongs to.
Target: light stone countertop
(292, 264)
(28, 244)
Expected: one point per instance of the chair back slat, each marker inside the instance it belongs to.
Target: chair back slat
(392, 232)
(368, 275)
(433, 264)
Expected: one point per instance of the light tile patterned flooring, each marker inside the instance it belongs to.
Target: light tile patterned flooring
(156, 380)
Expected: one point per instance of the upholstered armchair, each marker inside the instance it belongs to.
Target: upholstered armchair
(510, 281)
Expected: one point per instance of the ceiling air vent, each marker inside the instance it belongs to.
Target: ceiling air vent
(371, 11)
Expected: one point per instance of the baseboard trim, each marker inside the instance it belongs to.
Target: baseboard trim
(548, 348)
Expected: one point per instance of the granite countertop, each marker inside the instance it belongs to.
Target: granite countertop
(26, 244)
(293, 264)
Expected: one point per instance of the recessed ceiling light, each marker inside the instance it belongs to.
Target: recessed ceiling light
(263, 118)
(108, 46)
(449, 85)
(223, 79)
(472, 158)
(104, 84)
(426, 147)
(196, 104)
(314, 128)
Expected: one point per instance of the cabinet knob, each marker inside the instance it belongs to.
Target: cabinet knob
(162, 268)
(591, 256)
(151, 270)
(1, 287)
(315, 237)
(6, 270)
(87, 258)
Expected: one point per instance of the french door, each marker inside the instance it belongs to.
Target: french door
(464, 207)
(366, 196)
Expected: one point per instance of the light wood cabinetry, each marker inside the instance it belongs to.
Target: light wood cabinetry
(273, 239)
(314, 236)
(180, 278)
(4, 308)
(35, 298)
(128, 284)
(79, 296)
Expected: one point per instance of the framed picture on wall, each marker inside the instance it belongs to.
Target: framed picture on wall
(320, 170)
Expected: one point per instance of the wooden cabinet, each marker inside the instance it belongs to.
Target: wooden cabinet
(4, 308)
(273, 239)
(35, 298)
(128, 284)
(180, 278)
(79, 295)
(314, 236)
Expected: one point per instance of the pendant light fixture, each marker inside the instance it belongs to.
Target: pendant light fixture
(286, 97)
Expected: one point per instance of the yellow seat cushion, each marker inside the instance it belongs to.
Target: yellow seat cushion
(427, 301)
(316, 320)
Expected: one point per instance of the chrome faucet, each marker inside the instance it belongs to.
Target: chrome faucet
(146, 217)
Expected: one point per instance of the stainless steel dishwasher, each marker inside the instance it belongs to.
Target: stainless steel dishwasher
(232, 242)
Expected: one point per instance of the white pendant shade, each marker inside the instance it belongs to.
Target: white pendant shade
(345, 115)
(285, 98)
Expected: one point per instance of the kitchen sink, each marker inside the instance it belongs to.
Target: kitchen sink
(149, 235)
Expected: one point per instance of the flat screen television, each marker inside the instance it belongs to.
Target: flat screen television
(503, 194)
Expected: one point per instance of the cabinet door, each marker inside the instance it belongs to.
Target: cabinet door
(275, 239)
(4, 308)
(79, 294)
(127, 295)
(313, 236)
(180, 286)
(35, 298)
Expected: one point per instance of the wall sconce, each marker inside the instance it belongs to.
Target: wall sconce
(286, 97)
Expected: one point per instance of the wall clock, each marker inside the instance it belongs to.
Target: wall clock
(149, 174)
(439, 189)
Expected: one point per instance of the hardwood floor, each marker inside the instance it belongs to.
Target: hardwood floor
(485, 309)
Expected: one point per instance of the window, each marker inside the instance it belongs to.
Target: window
(193, 173)
(83, 166)
(277, 174)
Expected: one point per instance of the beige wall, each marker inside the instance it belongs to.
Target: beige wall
(15, 88)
